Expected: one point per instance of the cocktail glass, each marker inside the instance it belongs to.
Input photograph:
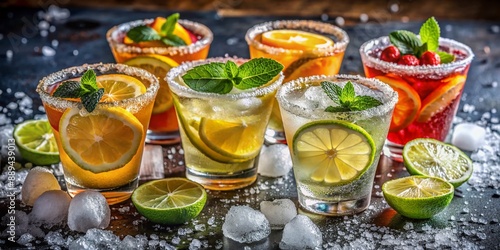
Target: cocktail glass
(101, 150)
(163, 127)
(298, 62)
(428, 95)
(334, 154)
(222, 134)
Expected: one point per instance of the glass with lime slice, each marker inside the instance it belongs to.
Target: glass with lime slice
(335, 139)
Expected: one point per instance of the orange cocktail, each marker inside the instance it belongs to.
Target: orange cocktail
(101, 146)
(158, 57)
(305, 48)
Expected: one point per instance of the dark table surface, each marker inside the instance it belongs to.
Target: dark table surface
(470, 222)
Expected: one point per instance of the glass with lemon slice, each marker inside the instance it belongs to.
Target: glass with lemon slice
(334, 154)
(158, 58)
(102, 149)
(429, 95)
(222, 134)
(304, 47)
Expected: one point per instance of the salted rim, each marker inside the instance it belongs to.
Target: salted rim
(179, 88)
(115, 39)
(338, 46)
(428, 71)
(132, 104)
(389, 97)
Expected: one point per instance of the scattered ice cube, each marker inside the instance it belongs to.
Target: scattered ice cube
(38, 181)
(245, 225)
(50, 208)
(88, 209)
(275, 161)
(248, 105)
(25, 239)
(48, 51)
(301, 233)
(468, 136)
(9, 54)
(279, 212)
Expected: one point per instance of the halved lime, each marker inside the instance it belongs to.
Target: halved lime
(418, 197)
(36, 142)
(336, 152)
(170, 201)
(429, 157)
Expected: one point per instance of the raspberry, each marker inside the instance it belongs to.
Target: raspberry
(409, 60)
(430, 58)
(390, 54)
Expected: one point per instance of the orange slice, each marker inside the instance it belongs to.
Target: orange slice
(408, 104)
(295, 39)
(119, 87)
(308, 67)
(440, 98)
(178, 30)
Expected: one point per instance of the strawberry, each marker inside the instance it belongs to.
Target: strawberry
(390, 54)
(409, 60)
(430, 58)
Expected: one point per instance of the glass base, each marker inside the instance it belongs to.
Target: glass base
(113, 195)
(228, 181)
(274, 137)
(393, 151)
(334, 208)
(163, 138)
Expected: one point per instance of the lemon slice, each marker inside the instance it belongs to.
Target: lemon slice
(335, 152)
(159, 66)
(119, 87)
(170, 201)
(100, 141)
(418, 197)
(295, 39)
(36, 142)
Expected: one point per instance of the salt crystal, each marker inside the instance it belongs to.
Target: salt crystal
(54, 43)
(363, 17)
(50, 208)
(468, 136)
(275, 161)
(9, 54)
(195, 244)
(324, 17)
(301, 233)
(54, 238)
(129, 243)
(75, 52)
(245, 225)
(394, 8)
(25, 239)
(339, 21)
(48, 51)
(278, 212)
(232, 41)
(88, 209)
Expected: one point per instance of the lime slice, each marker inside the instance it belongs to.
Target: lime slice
(36, 142)
(336, 152)
(170, 201)
(418, 197)
(434, 158)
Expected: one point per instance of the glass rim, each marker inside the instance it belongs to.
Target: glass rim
(178, 88)
(205, 41)
(338, 46)
(389, 94)
(104, 68)
(419, 69)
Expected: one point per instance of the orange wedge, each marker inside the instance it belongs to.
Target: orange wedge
(440, 98)
(178, 30)
(295, 39)
(408, 104)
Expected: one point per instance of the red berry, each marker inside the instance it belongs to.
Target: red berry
(390, 54)
(409, 60)
(430, 58)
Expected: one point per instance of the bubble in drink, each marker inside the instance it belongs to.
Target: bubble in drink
(301, 233)
(50, 208)
(88, 209)
(275, 161)
(245, 225)
(38, 181)
(279, 212)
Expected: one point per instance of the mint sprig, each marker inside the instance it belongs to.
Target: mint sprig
(145, 33)
(86, 89)
(408, 43)
(346, 98)
(219, 77)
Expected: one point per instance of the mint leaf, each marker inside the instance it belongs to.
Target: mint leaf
(346, 98)
(364, 102)
(86, 89)
(429, 33)
(445, 57)
(142, 34)
(68, 89)
(332, 90)
(211, 78)
(168, 27)
(257, 72)
(90, 100)
(88, 81)
(406, 41)
(231, 69)
(173, 40)
(348, 94)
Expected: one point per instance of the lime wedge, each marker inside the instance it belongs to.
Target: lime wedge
(418, 197)
(170, 201)
(336, 152)
(434, 158)
(36, 142)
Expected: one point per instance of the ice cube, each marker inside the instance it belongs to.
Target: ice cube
(248, 105)
(301, 233)
(468, 136)
(50, 208)
(275, 160)
(245, 225)
(88, 209)
(279, 212)
(129, 243)
(38, 181)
